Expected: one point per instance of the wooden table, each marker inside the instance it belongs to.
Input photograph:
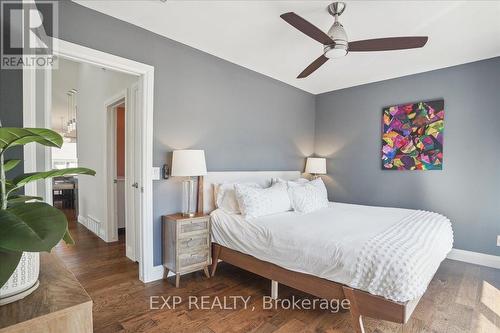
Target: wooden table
(65, 191)
(60, 304)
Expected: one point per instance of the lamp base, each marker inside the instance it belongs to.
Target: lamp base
(188, 198)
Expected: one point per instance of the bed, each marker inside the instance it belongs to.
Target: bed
(380, 259)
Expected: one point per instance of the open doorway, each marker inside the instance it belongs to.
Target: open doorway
(62, 192)
(89, 109)
(37, 92)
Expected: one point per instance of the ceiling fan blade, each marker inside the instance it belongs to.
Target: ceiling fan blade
(307, 28)
(313, 66)
(387, 44)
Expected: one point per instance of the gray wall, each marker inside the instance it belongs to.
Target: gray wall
(246, 121)
(243, 120)
(467, 190)
(11, 110)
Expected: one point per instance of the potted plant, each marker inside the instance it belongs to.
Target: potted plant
(27, 225)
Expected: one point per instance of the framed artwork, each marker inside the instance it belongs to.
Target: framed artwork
(412, 136)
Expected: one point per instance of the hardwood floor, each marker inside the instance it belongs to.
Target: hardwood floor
(460, 298)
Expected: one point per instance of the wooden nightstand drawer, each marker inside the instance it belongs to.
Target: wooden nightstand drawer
(192, 259)
(193, 227)
(186, 245)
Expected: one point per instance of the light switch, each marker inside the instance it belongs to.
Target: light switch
(156, 173)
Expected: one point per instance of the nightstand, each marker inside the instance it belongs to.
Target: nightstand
(186, 244)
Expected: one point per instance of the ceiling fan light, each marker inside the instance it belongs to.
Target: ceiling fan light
(335, 51)
(339, 36)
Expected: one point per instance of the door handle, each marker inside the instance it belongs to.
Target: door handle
(115, 181)
(136, 185)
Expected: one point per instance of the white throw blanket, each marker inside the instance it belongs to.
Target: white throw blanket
(400, 262)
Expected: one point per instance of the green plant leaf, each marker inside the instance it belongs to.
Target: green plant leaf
(34, 176)
(9, 260)
(32, 227)
(67, 238)
(11, 136)
(10, 164)
(18, 199)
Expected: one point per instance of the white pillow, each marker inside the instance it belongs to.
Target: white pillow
(225, 197)
(298, 180)
(255, 202)
(308, 197)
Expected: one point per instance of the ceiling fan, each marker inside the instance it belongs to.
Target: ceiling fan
(335, 41)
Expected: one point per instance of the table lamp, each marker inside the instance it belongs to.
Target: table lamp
(316, 166)
(188, 163)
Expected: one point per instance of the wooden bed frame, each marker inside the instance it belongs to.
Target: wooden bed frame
(362, 303)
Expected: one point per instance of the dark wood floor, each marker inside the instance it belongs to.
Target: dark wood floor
(460, 298)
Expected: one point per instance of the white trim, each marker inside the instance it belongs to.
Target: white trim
(47, 109)
(92, 224)
(116, 99)
(101, 59)
(477, 258)
(157, 273)
(146, 229)
(29, 120)
(75, 52)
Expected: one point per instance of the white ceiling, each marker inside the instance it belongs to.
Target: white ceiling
(251, 34)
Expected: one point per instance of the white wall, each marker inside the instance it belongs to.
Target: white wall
(64, 78)
(66, 152)
(95, 87)
(64, 156)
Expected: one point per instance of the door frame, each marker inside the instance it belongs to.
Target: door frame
(147, 271)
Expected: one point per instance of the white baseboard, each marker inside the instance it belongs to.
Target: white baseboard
(475, 258)
(156, 274)
(91, 224)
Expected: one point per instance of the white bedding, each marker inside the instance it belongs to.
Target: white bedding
(390, 252)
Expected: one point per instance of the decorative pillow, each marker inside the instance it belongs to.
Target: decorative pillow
(225, 197)
(299, 180)
(255, 202)
(308, 197)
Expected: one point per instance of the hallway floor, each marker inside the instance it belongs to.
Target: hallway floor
(460, 298)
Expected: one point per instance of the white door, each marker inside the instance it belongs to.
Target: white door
(133, 169)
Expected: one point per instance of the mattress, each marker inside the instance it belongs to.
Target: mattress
(390, 252)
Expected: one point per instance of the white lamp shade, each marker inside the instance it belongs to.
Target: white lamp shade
(187, 163)
(316, 165)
